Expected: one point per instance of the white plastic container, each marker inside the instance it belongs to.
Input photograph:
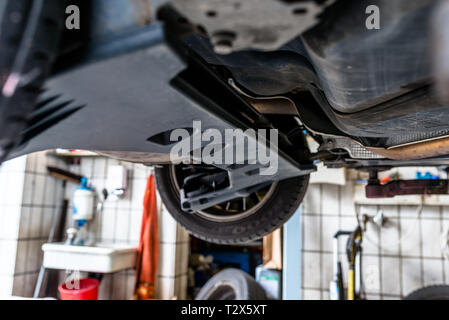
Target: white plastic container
(83, 202)
(101, 258)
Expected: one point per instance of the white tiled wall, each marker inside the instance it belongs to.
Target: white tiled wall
(399, 258)
(28, 202)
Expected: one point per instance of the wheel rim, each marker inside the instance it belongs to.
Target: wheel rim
(222, 292)
(232, 210)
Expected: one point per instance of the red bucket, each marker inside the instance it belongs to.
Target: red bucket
(88, 290)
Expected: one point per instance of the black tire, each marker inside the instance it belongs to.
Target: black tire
(232, 284)
(29, 35)
(281, 205)
(439, 292)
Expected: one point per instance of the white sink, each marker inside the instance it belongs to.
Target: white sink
(100, 258)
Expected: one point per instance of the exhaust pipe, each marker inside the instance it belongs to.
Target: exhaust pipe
(420, 150)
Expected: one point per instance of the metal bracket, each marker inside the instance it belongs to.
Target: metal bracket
(252, 24)
(406, 187)
(242, 182)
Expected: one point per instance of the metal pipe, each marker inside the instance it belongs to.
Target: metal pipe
(420, 150)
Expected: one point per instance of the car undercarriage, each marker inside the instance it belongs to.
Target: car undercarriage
(370, 96)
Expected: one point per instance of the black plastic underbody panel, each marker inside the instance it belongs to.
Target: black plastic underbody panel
(115, 105)
(370, 83)
(360, 67)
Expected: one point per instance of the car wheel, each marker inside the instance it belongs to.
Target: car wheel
(231, 284)
(240, 220)
(440, 292)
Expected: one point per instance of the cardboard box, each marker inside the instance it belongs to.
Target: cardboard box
(272, 250)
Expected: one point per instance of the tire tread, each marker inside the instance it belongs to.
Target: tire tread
(290, 193)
